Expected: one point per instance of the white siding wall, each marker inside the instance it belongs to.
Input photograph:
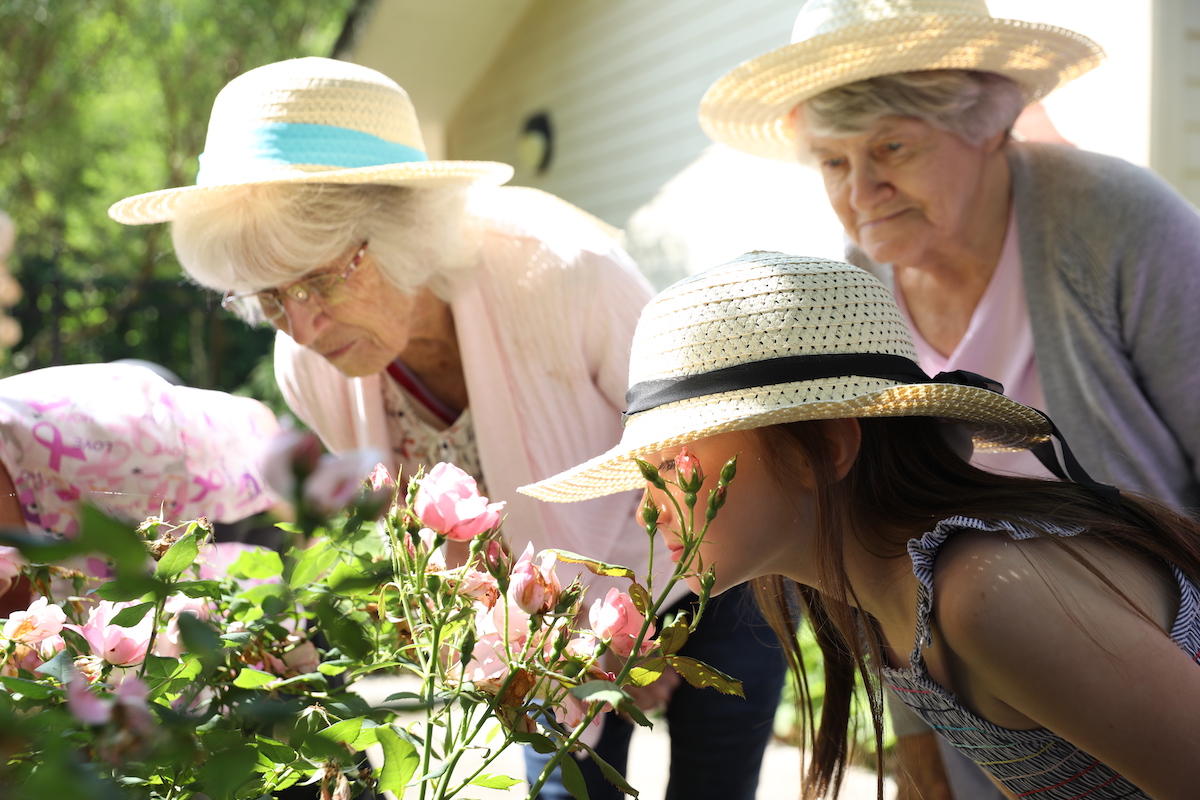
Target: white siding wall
(1175, 146)
(621, 81)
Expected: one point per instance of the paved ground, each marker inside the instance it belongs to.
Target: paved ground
(648, 766)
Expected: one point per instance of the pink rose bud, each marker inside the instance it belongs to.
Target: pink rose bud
(534, 586)
(616, 620)
(381, 480)
(687, 467)
(448, 501)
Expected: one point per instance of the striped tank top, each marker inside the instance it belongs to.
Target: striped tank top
(1034, 763)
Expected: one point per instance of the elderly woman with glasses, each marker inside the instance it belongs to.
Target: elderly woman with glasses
(1069, 276)
(425, 312)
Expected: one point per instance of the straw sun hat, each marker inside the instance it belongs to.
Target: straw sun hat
(772, 338)
(310, 120)
(837, 42)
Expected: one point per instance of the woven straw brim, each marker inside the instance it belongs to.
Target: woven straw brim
(162, 205)
(998, 423)
(748, 108)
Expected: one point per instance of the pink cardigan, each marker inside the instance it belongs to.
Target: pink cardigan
(544, 326)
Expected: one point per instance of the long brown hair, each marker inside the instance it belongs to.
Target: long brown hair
(906, 479)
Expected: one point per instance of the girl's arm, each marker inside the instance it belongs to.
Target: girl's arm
(1034, 639)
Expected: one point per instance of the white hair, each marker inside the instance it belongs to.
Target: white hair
(248, 238)
(970, 104)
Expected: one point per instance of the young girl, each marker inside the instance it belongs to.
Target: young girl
(1047, 629)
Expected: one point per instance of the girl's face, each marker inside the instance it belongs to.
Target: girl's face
(761, 529)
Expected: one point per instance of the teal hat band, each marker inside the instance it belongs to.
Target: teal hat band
(281, 144)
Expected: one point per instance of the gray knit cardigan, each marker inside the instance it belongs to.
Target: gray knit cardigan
(1111, 257)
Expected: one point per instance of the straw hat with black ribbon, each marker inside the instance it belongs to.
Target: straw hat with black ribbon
(838, 42)
(771, 338)
(310, 120)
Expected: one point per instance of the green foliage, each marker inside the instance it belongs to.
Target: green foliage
(104, 99)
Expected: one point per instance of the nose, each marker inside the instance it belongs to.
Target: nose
(302, 321)
(869, 187)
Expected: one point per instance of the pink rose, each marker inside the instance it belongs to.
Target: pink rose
(616, 620)
(129, 698)
(11, 563)
(479, 586)
(534, 586)
(123, 647)
(39, 621)
(448, 501)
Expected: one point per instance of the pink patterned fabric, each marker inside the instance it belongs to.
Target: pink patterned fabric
(123, 438)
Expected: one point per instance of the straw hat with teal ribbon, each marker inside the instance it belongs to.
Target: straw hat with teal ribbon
(310, 120)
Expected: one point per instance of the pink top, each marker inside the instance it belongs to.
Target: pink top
(123, 438)
(998, 344)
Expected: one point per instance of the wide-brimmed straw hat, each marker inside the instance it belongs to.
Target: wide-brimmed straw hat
(772, 338)
(310, 120)
(837, 42)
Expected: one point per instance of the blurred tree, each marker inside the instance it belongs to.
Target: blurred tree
(101, 99)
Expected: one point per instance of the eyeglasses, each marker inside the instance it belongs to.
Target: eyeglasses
(328, 287)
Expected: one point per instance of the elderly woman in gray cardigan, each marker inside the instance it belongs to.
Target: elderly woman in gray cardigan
(1070, 277)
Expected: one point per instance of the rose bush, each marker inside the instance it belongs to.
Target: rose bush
(228, 671)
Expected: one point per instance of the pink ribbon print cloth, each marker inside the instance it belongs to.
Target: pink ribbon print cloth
(125, 439)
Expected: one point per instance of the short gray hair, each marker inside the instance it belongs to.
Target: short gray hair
(252, 237)
(972, 105)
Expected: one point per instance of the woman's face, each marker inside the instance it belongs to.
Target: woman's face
(907, 193)
(360, 335)
(760, 529)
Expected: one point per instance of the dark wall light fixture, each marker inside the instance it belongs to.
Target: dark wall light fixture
(536, 146)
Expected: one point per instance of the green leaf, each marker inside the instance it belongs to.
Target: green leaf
(538, 741)
(354, 732)
(130, 587)
(311, 563)
(257, 595)
(400, 761)
(701, 675)
(31, 689)
(572, 777)
(199, 589)
(610, 772)
(597, 567)
(58, 667)
(227, 770)
(258, 563)
(674, 636)
(489, 781)
(641, 598)
(361, 578)
(200, 638)
(647, 672)
(250, 678)
(178, 557)
(342, 631)
(128, 617)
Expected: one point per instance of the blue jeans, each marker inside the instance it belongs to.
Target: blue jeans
(717, 740)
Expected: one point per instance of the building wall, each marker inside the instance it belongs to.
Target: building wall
(1175, 144)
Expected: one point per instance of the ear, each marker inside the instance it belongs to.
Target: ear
(845, 439)
(996, 141)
